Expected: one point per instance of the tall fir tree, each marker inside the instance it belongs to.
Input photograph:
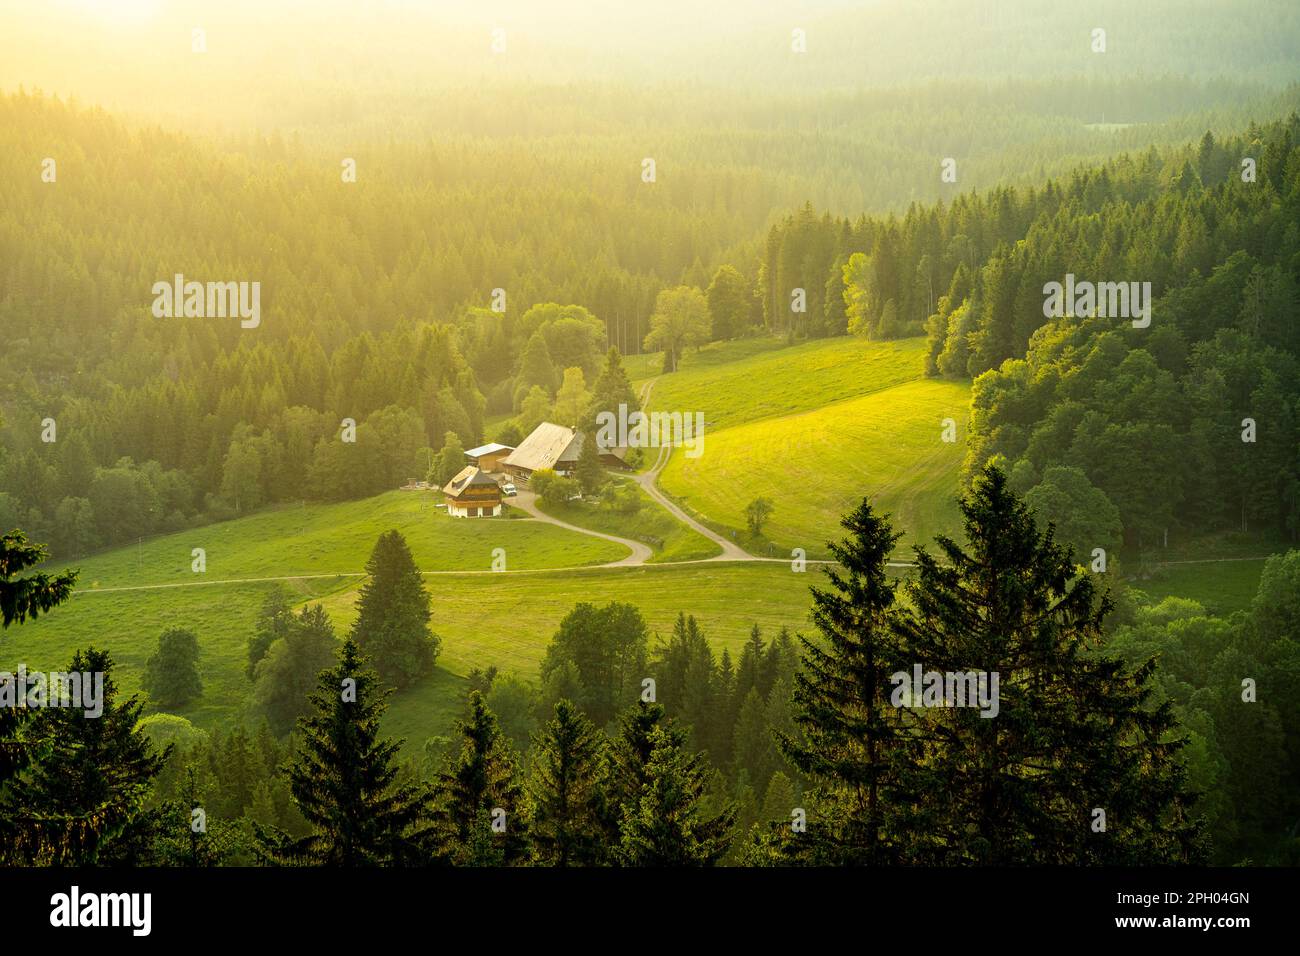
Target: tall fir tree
(1079, 765)
(479, 817)
(852, 737)
(344, 779)
(566, 791)
(666, 824)
(392, 625)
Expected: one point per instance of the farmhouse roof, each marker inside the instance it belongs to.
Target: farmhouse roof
(544, 447)
(468, 477)
(551, 444)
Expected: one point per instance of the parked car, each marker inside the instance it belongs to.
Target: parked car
(508, 489)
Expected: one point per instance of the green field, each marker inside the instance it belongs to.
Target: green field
(1220, 586)
(508, 620)
(735, 385)
(127, 597)
(814, 466)
(337, 538)
(670, 539)
(483, 619)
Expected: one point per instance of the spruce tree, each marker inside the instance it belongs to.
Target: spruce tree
(566, 791)
(611, 389)
(627, 757)
(629, 773)
(752, 747)
(82, 801)
(778, 803)
(589, 471)
(478, 807)
(1075, 732)
(666, 823)
(20, 598)
(343, 779)
(750, 671)
(683, 669)
(852, 737)
(392, 625)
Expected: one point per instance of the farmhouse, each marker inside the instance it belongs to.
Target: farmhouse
(555, 447)
(488, 457)
(472, 494)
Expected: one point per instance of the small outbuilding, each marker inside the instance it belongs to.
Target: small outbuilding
(488, 457)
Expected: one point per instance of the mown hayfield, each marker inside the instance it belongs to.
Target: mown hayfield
(508, 619)
(128, 623)
(483, 619)
(733, 386)
(816, 465)
(1222, 587)
(338, 538)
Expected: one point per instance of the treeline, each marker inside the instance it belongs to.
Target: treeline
(802, 752)
(1187, 425)
(1243, 759)
(417, 302)
(385, 409)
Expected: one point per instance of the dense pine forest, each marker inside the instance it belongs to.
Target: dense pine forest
(1149, 416)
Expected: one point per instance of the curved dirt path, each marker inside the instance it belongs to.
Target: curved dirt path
(647, 480)
(640, 552)
(730, 550)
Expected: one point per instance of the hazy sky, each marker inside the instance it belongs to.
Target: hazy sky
(273, 63)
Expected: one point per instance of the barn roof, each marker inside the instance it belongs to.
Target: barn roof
(487, 449)
(468, 477)
(544, 447)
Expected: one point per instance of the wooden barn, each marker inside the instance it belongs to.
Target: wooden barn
(548, 446)
(555, 447)
(472, 494)
(488, 457)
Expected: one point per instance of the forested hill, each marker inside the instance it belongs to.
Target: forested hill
(1154, 417)
(375, 294)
